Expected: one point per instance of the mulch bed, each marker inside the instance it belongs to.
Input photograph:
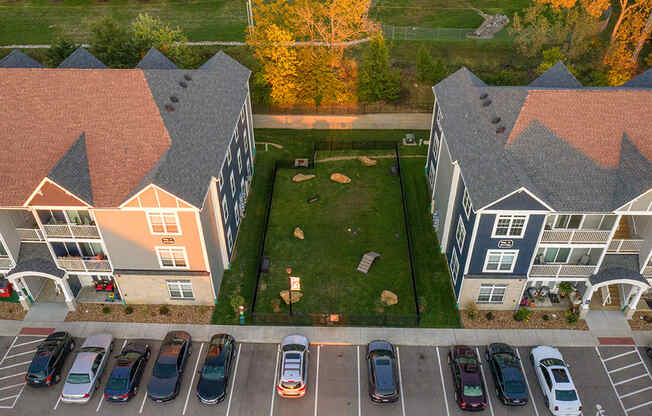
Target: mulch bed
(505, 320)
(11, 310)
(638, 323)
(177, 314)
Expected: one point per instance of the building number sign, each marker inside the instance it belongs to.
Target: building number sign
(505, 243)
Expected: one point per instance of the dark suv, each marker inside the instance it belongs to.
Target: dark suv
(45, 369)
(168, 369)
(125, 378)
(506, 370)
(383, 373)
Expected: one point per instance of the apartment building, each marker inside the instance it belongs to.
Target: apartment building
(537, 185)
(133, 181)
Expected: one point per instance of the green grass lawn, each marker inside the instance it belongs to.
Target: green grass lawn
(38, 21)
(435, 295)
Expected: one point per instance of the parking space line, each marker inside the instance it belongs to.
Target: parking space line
(20, 353)
(235, 374)
(443, 385)
(638, 406)
(13, 375)
(620, 355)
(142, 405)
(597, 351)
(491, 407)
(18, 397)
(57, 404)
(271, 407)
(400, 380)
(2, 399)
(527, 383)
(636, 392)
(27, 343)
(625, 367)
(12, 386)
(629, 379)
(9, 349)
(14, 365)
(192, 381)
(317, 379)
(359, 404)
(97, 409)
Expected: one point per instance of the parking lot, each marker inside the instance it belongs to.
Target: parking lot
(616, 377)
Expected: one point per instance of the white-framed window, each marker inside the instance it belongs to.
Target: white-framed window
(500, 261)
(236, 210)
(232, 182)
(246, 140)
(554, 255)
(162, 222)
(454, 266)
(431, 174)
(239, 161)
(225, 209)
(242, 114)
(492, 293)
(564, 221)
(228, 155)
(237, 135)
(172, 257)
(466, 203)
(248, 167)
(221, 181)
(229, 238)
(180, 289)
(512, 226)
(460, 234)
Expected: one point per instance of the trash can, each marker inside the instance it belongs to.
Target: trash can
(5, 288)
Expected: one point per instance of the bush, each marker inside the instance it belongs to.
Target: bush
(523, 314)
(163, 310)
(490, 316)
(429, 71)
(472, 310)
(571, 316)
(129, 310)
(106, 309)
(377, 80)
(59, 50)
(546, 317)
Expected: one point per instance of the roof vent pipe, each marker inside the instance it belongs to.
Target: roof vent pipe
(495, 120)
(486, 103)
(169, 108)
(183, 84)
(174, 99)
(187, 77)
(483, 95)
(500, 130)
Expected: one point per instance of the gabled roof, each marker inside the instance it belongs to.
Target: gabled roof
(17, 59)
(35, 257)
(643, 80)
(82, 59)
(557, 76)
(617, 267)
(72, 172)
(154, 59)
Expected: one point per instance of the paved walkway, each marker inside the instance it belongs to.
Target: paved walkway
(46, 312)
(604, 323)
(400, 121)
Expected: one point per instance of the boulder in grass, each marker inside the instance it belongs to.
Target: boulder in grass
(388, 298)
(296, 296)
(301, 177)
(339, 178)
(367, 161)
(298, 233)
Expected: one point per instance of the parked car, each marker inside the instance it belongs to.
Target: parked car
(87, 369)
(384, 386)
(216, 372)
(125, 377)
(560, 395)
(467, 377)
(45, 369)
(170, 363)
(507, 373)
(294, 367)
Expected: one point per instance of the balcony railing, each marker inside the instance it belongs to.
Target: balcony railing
(625, 246)
(71, 230)
(647, 271)
(575, 236)
(78, 264)
(6, 263)
(557, 270)
(30, 234)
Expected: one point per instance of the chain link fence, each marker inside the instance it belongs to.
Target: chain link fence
(424, 33)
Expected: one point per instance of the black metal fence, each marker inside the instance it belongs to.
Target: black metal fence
(355, 145)
(325, 319)
(410, 106)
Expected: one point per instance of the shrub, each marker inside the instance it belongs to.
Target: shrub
(106, 309)
(472, 310)
(377, 81)
(129, 310)
(59, 50)
(163, 310)
(571, 316)
(523, 314)
(490, 316)
(546, 317)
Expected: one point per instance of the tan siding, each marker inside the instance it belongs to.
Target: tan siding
(471, 290)
(166, 200)
(141, 289)
(148, 198)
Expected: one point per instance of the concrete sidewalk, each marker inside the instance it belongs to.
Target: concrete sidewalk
(401, 121)
(344, 335)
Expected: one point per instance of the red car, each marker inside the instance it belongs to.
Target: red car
(467, 376)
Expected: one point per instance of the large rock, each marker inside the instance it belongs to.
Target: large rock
(367, 161)
(301, 177)
(296, 296)
(298, 233)
(339, 178)
(388, 298)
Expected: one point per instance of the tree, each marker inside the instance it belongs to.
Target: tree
(59, 50)
(113, 44)
(550, 58)
(632, 34)
(148, 31)
(377, 81)
(594, 7)
(429, 71)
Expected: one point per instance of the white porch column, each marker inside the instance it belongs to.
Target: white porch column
(67, 293)
(586, 300)
(631, 307)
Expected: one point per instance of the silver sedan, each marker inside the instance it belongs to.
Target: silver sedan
(86, 372)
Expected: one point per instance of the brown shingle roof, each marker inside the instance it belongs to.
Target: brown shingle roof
(43, 112)
(592, 121)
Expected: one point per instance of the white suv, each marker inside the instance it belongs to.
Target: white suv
(294, 367)
(556, 383)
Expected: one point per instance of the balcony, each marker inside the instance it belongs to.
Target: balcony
(6, 263)
(83, 264)
(565, 270)
(30, 234)
(647, 271)
(631, 245)
(564, 236)
(71, 231)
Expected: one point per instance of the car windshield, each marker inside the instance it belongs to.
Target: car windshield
(291, 384)
(472, 391)
(293, 347)
(552, 361)
(92, 349)
(115, 383)
(163, 370)
(566, 395)
(78, 378)
(213, 372)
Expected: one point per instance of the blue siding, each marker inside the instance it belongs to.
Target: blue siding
(519, 201)
(238, 174)
(435, 138)
(525, 245)
(462, 252)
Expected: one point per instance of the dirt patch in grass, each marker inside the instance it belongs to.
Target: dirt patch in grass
(638, 322)
(11, 310)
(505, 320)
(176, 314)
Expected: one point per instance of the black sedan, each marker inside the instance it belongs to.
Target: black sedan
(383, 373)
(168, 369)
(215, 374)
(45, 369)
(508, 376)
(125, 378)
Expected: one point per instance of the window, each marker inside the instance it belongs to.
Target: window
(225, 209)
(237, 135)
(564, 221)
(237, 214)
(466, 203)
(454, 266)
(172, 257)
(431, 174)
(501, 261)
(163, 222)
(492, 293)
(239, 161)
(229, 238)
(246, 141)
(232, 181)
(221, 181)
(510, 226)
(556, 255)
(3, 251)
(228, 155)
(180, 289)
(460, 234)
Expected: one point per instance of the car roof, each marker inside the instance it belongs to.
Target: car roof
(463, 351)
(83, 362)
(291, 370)
(384, 373)
(295, 339)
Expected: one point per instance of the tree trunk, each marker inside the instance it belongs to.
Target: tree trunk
(624, 8)
(643, 38)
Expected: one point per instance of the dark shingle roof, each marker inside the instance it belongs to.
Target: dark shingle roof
(71, 171)
(643, 80)
(154, 59)
(616, 267)
(558, 76)
(82, 59)
(17, 59)
(35, 257)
